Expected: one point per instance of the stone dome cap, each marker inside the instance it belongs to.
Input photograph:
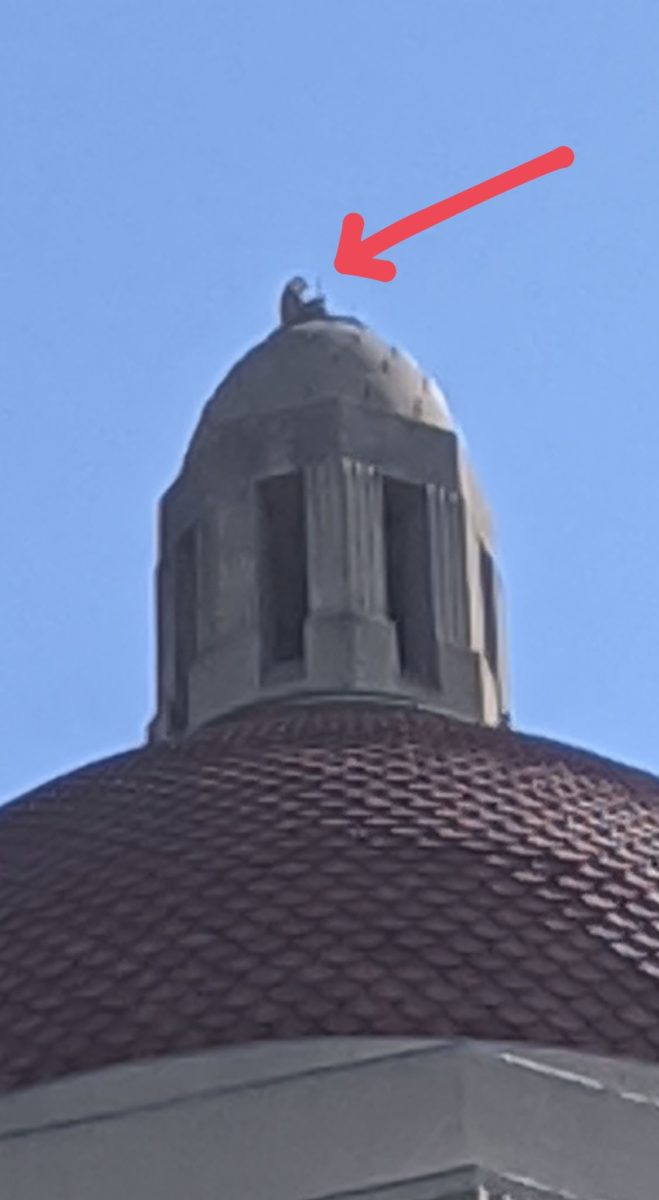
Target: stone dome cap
(318, 359)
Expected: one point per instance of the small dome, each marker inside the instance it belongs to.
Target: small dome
(331, 356)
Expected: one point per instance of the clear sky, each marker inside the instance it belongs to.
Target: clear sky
(166, 166)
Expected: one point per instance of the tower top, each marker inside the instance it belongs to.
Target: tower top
(325, 537)
(314, 356)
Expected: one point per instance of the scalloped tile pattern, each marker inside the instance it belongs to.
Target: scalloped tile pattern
(347, 869)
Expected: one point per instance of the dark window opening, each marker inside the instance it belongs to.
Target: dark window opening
(488, 589)
(185, 618)
(283, 569)
(407, 559)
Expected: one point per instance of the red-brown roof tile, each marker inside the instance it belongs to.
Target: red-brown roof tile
(335, 869)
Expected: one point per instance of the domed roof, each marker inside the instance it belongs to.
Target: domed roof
(332, 869)
(331, 356)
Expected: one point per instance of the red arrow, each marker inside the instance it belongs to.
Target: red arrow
(355, 256)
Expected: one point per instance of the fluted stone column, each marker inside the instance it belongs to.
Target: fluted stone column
(228, 663)
(165, 636)
(348, 638)
(448, 565)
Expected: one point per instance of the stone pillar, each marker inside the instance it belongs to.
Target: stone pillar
(349, 639)
(165, 634)
(448, 565)
(344, 537)
(226, 671)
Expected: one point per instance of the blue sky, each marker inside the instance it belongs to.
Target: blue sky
(166, 166)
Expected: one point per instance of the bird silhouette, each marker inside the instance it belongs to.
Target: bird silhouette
(294, 309)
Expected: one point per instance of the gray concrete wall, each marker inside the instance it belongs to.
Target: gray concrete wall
(339, 1118)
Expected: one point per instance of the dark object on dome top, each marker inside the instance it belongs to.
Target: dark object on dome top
(293, 307)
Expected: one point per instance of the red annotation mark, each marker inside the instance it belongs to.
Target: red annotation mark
(355, 256)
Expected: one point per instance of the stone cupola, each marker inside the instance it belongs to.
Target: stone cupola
(325, 537)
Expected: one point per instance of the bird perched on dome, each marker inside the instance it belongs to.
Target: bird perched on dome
(294, 309)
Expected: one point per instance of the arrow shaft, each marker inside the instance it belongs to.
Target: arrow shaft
(426, 217)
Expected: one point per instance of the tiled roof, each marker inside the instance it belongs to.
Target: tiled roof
(334, 869)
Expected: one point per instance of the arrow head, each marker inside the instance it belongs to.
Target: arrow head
(354, 255)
